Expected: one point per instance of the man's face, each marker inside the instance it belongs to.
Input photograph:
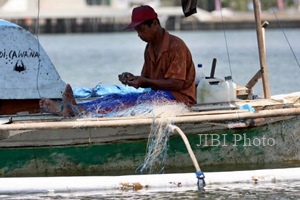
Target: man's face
(144, 32)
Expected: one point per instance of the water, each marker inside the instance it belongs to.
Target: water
(86, 60)
(89, 59)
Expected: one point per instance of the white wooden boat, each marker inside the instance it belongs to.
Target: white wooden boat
(219, 133)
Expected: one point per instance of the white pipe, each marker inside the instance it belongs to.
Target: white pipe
(187, 144)
(141, 182)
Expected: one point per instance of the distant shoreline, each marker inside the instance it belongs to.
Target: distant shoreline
(90, 26)
(96, 23)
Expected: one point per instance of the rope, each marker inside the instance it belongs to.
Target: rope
(37, 28)
(283, 32)
(225, 37)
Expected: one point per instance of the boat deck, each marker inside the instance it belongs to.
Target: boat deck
(277, 102)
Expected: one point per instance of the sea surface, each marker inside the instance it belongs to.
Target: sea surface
(85, 60)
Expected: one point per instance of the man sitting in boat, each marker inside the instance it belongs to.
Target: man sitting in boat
(168, 70)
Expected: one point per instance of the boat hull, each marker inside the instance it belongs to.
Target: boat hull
(121, 150)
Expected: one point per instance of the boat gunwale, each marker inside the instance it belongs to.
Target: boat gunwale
(138, 121)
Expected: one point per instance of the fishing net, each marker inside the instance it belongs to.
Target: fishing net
(123, 105)
(161, 109)
(159, 106)
(158, 140)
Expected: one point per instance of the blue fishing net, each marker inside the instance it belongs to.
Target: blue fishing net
(122, 101)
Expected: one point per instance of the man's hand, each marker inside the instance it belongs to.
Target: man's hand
(136, 82)
(126, 77)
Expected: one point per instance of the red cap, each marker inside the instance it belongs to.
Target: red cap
(141, 14)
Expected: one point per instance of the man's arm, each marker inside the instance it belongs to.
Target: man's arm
(157, 84)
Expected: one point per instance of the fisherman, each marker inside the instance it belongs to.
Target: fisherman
(168, 70)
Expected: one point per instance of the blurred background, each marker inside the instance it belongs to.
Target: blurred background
(87, 44)
(85, 16)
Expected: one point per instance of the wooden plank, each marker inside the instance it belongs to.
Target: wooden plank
(261, 50)
(264, 103)
(254, 80)
(148, 121)
(214, 112)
